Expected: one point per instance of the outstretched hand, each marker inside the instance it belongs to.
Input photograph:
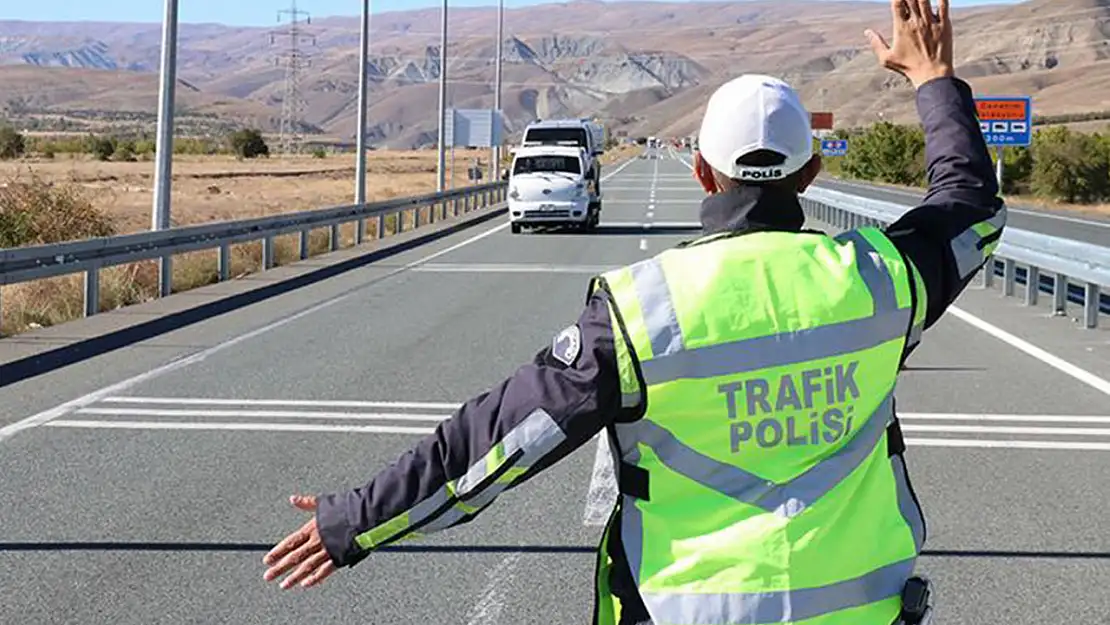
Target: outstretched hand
(304, 548)
(922, 47)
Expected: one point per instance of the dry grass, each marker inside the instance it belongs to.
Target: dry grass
(620, 153)
(68, 196)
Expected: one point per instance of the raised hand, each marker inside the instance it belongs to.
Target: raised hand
(922, 47)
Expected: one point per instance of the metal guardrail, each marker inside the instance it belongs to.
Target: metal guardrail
(1076, 271)
(92, 255)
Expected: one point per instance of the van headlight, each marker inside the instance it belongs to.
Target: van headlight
(514, 193)
(579, 190)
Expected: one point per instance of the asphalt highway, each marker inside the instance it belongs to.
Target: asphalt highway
(144, 485)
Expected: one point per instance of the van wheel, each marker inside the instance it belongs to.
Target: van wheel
(515, 228)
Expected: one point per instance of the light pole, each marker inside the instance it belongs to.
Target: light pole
(360, 161)
(495, 171)
(163, 172)
(442, 164)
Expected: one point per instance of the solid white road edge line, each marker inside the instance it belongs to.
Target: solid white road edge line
(1051, 360)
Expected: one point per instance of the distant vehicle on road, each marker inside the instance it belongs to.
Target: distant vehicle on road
(548, 185)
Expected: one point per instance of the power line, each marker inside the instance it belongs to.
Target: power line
(294, 59)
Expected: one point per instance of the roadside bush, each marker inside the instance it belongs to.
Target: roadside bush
(102, 148)
(1017, 170)
(888, 153)
(195, 146)
(34, 211)
(248, 143)
(1070, 166)
(1061, 165)
(125, 152)
(12, 143)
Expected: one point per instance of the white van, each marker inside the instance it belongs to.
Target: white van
(582, 133)
(548, 185)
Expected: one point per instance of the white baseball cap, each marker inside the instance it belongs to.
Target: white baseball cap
(755, 112)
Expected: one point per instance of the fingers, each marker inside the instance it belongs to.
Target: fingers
(914, 8)
(313, 562)
(942, 11)
(304, 502)
(290, 543)
(896, 10)
(925, 11)
(878, 44)
(304, 550)
(319, 575)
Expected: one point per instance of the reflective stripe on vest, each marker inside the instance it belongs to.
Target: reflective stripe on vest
(684, 572)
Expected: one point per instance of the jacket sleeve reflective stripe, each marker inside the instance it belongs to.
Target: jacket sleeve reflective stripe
(951, 234)
(631, 390)
(510, 458)
(495, 441)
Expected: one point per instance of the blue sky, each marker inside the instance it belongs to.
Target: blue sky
(239, 12)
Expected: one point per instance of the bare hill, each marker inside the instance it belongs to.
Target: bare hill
(643, 67)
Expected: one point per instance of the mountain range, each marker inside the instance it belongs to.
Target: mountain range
(641, 67)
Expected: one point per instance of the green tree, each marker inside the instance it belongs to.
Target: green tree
(125, 152)
(1070, 166)
(248, 143)
(1017, 170)
(887, 152)
(12, 143)
(102, 148)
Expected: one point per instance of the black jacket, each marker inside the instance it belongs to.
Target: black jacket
(581, 395)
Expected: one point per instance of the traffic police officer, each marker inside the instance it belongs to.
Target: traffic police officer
(745, 381)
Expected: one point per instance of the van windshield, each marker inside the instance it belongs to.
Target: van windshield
(531, 164)
(556, 136)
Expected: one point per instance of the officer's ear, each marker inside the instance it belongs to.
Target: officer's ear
(703, 173)
(809, 172)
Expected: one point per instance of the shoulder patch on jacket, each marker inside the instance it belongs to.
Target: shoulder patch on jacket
(567, 345)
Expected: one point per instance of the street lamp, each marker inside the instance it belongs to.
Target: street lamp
(163, 171)
(496, 169)
(442, 164)
(360, 161)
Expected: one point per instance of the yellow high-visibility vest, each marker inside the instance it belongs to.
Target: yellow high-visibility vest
(757, 487)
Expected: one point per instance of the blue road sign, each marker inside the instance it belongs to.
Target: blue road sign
(834, 147)
(1006, 120)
